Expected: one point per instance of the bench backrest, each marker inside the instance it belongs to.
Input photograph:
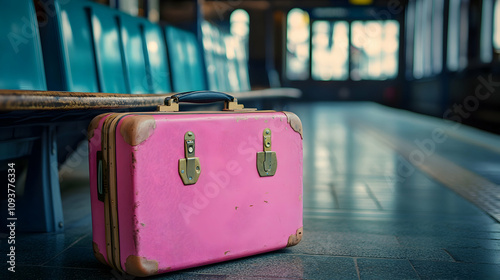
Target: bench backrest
(186, 60)
(88, 47)
(99, 49)
(21, 63)
(225, 59)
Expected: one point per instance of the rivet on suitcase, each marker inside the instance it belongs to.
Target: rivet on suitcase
(172, 190)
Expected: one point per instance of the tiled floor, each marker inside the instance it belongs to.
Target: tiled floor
(368, 212)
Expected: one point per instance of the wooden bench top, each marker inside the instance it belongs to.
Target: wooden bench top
(15, 100)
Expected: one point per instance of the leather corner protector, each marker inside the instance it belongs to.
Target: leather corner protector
(98, 254)
(94, 124)
(140, 266)
(137, 129)
(294, 122)
(294, 239)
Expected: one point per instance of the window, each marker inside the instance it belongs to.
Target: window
(297, 45)
(458, 34)
(360, 50)
(425, 46)
(423, 36)
(496, 26)
(410, 35)
(486, 51)
(453, 34)
(330, 53)
(374, 50)
(437, 36)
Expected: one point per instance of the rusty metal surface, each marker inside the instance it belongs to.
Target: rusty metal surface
(13, 100)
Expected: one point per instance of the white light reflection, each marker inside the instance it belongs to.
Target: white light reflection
(153, 46)
(330, 50)
(375, 49)
(496, 26)
(239, 20)
(297, 58)
(486, 26)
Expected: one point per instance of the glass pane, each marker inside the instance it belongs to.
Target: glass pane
(418, 49)
(464, 33)
(453, 35)
(486, 52)
(423, 44)
(330, 55)
(374, 50)
(297, 44)
(427, 37)
(410, 33)
(496, 26)
(437, 36)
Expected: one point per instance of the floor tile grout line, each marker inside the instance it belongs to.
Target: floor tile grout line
(335, 197)
(180, 271)
(64, 267)
(250, 276)
(333, 160)
(71, 245)
(449, 254)
(357, 268)
(372, 196)
(397, 240)
(326, 212)
(366, 257)
(414, 269)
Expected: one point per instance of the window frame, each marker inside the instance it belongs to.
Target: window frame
(365, 14)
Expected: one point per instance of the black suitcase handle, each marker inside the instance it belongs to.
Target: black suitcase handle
(202, 96)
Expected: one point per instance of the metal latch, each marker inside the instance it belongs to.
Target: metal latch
(189, 167)
(266, 160)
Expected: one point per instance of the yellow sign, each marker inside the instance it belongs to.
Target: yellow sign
(361, 2)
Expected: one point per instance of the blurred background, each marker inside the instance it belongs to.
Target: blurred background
(399, 101)
(423, 56)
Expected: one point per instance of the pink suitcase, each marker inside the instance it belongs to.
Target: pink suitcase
(172, 190)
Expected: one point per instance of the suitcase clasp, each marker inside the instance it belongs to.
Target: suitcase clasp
(266, 160)
(189, 167)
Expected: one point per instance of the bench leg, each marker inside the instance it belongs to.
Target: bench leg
(40, 209)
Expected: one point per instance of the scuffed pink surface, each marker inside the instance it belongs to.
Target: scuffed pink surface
(98, 223)
(230, 212)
